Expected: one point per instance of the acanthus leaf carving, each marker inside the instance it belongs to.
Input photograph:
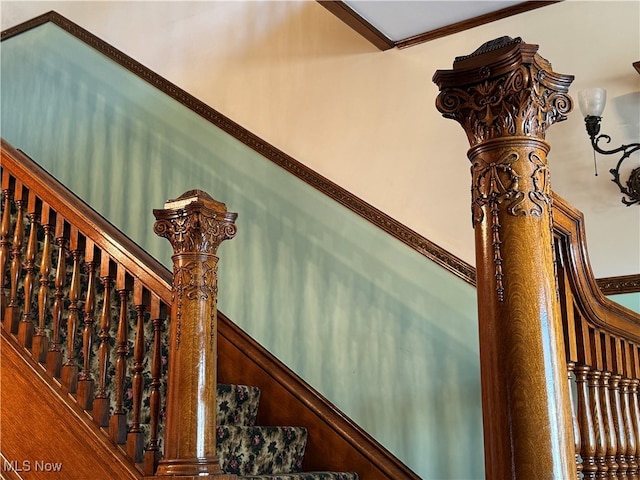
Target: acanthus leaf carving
(194, 232)
(519, 102)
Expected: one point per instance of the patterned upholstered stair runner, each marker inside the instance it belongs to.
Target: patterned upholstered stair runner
(255, 452)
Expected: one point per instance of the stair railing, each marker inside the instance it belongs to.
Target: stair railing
(96, 322)
(602, 344)
(542, 318)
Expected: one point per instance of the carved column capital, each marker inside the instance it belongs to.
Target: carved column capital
(503, 89)
(195, 223)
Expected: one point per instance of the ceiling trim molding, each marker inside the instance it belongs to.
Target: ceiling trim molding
(345, 13)
(341, 10)
(473, 22)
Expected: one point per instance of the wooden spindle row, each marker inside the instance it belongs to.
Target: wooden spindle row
(606, 378)
(53, 278)
(41, 340)
(12, 312)
(603, 368)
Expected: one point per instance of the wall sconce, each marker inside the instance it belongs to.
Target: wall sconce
(592, 102)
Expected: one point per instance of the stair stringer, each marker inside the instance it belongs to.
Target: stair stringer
(335, 442)
(40, 424)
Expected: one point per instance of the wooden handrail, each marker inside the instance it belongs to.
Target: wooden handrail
(568, 226)
(602, 344)
(93, 225)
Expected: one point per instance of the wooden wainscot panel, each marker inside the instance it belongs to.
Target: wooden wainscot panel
(42, 434)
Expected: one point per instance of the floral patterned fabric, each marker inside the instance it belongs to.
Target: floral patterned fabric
(237, 405)
(261, 450)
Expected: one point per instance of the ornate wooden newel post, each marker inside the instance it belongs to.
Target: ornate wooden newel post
(505, 96)
(195, 224)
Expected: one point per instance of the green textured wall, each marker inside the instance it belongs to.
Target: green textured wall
(629, 300)
(383, 333)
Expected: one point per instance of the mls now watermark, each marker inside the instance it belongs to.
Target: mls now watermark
(31, 466)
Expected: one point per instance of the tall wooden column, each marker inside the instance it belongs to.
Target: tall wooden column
(505, 96)
(195, 224)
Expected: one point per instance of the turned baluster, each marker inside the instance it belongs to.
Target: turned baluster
(12, 312)
(634, 418)
(576, 426)
(85, 380)
(195, 224)
(607, 406)
(118, 422)
(25, 328)
(40, 339)
(585, 420)
(618, 422)
(588, 429)
(627, 410)
(69, 378)
(102, 400)
(571, 347)
(594, 379)
(630, 452)
(135, 439)
(157, 311)
(609, 426)
(54, 355)
(5, 240)
(634, 390)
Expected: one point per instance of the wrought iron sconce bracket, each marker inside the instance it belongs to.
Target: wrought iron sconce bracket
(632, 187)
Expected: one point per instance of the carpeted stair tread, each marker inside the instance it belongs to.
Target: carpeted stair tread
(305, 476)
(250, 450)
(237, 404)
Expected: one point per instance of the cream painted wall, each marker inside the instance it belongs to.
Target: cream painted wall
(293, 74)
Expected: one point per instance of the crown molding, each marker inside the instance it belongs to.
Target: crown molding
(345, 13)
(472, 22)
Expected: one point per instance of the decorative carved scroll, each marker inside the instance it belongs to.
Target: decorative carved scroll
(195, 223)
(506, 102)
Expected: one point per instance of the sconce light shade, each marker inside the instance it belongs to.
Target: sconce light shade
(592, 101)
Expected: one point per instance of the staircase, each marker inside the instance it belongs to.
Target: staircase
(82, 318)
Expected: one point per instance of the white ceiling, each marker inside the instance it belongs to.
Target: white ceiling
(399, 19)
